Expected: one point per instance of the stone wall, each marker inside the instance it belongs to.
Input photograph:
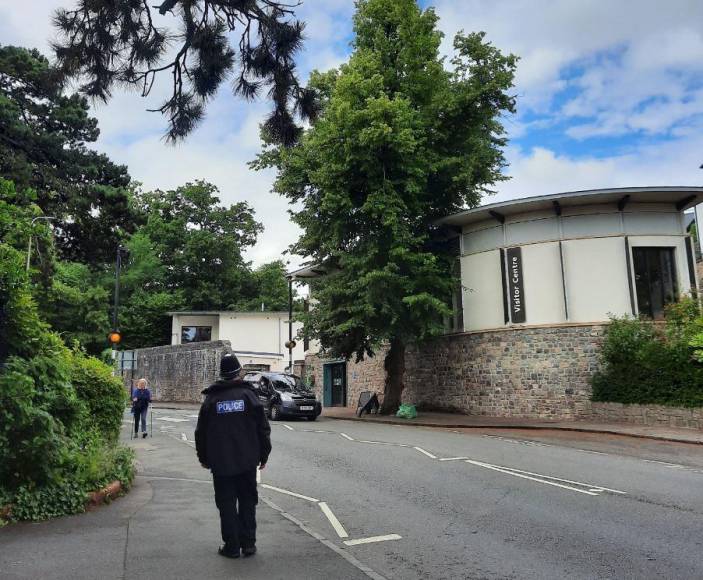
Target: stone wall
(367, 375)
(539, 372)
(178, 373)
(651, 415)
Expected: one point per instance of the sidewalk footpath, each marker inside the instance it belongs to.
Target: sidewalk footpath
(459, 421)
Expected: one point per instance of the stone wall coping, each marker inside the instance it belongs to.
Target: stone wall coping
(525, 327)
(171, 348)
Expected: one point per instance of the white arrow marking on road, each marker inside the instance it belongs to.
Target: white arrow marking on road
(336, 524)
(373, 539)
(286, 492)
(421, 450)
(172, 419)
(453, 458)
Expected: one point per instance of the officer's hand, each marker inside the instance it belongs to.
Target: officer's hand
(262, 466)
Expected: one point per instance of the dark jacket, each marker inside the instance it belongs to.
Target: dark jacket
(233, 434)
(143, 399)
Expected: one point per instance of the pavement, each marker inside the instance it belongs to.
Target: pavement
(460, 421)
(359, 499)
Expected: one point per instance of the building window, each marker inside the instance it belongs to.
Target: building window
(195, 334)
(655, 280)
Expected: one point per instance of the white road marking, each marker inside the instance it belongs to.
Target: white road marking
(382, 443)
(373, 539)
(171, 419)
(288, 427)
(340, 551)
(452, 458)
(347, 437)
(292, 493)
(193, 416)
(514, 474)
(421, 450)
(336, 524)
(183, 437)
(594, 485)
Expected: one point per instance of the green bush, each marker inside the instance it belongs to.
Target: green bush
(60, 410)
(103, 394)
(651, 363)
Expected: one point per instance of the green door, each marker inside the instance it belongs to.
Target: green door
(327, 385)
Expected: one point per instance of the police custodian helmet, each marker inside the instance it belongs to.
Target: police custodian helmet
(229, 366)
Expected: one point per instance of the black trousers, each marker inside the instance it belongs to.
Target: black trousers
(236, 498)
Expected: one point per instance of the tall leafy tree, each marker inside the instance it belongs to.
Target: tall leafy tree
(401, 141)
(132, 42)
(268, 290)
(43, 145)
(200, 243)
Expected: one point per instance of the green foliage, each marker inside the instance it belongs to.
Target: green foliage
(104, 43)
(43, 136)
(647, 363)
(60, 410)
(269, 287)
(401, 141)
(199, 243)
(104, 395)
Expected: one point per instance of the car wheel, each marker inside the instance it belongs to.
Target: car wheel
(313, 418)
(275, 412)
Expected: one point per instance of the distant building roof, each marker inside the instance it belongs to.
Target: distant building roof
(683, 197)
(218, 312)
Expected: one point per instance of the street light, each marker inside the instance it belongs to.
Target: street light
(29, 244)
(116, 336)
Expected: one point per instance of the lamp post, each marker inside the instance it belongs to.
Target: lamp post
(290, 344)
(116, 336)
(29, 244)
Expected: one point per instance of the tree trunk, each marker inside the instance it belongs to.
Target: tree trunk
(394, 365)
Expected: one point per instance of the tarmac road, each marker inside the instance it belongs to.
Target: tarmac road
(383, 501)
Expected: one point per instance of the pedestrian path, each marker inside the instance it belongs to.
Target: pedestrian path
(459, 421)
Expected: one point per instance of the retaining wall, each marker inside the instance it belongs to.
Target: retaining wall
(177, 373)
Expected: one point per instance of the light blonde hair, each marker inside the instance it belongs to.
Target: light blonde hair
(143, 380)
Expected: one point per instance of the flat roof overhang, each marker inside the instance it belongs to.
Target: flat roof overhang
(682, 197)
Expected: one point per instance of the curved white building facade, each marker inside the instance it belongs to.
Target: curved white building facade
(575, 257)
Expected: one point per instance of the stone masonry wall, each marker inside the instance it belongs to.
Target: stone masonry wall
(651, 415)
(540, 372)
(178, 373)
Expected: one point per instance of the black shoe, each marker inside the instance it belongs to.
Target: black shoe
(249, 551)
(228, 552)
(144, 435)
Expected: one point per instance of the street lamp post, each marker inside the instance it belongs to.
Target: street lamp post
(122, 253)
(291, 344)
(29, 244)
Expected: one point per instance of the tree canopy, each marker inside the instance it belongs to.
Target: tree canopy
(400, 142)
(106, 43)
(43, 146)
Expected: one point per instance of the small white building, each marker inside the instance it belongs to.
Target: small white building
(257, 338)
(575, 257)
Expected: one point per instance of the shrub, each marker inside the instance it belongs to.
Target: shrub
(103, 394)
(651, 363)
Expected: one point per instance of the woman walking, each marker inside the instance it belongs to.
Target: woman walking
(140, 405)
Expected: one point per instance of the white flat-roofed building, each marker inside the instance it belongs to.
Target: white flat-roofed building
(575, 257)
(257, 338)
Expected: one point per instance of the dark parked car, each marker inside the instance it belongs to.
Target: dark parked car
(284, 395)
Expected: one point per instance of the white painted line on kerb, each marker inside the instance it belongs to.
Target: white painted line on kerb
(336, 524)
(453, 458)
(288, 427)
(347, 437)
(292, 493)
(373, 539)
(421, 450)
(171, 419)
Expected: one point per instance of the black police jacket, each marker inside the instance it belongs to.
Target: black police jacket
(233, 434)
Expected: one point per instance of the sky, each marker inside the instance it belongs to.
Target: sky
(609, 94)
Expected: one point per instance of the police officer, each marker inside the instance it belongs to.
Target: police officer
(233, 438)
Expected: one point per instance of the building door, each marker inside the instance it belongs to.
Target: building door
(335, 385)
(655, 280)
